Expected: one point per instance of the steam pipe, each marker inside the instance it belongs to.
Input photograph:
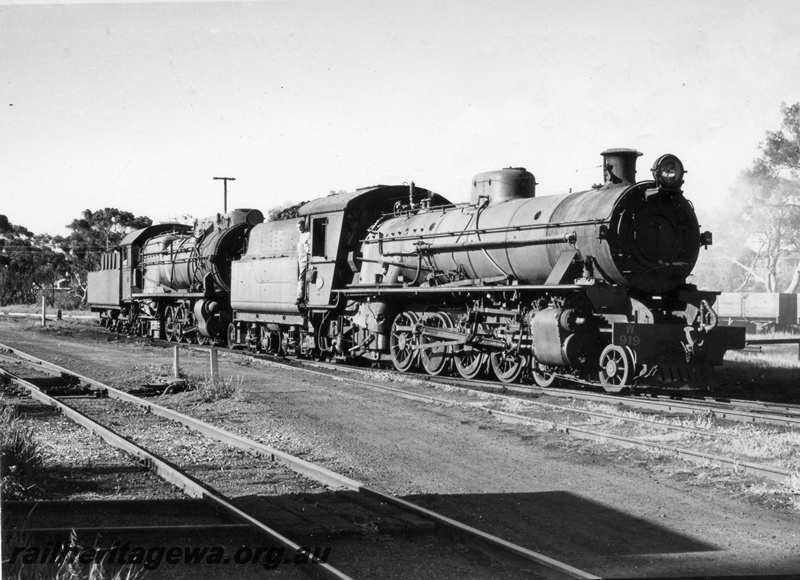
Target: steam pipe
(479, 232)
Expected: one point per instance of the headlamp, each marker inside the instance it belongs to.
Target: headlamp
(668, 172)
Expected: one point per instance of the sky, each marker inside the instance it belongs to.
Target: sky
(139, 105)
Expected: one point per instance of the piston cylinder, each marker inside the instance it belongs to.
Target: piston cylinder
(562, 337)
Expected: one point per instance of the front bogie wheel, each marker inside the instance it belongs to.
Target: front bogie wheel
(616, 368)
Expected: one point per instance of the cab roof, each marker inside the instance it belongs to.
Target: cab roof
(136, 236)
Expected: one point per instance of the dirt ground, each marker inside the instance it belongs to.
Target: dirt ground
(608, 511)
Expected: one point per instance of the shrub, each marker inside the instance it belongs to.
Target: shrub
(68, 301)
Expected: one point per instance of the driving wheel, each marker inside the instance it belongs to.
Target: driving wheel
(508, 366)
(435, 360)
(402, 340)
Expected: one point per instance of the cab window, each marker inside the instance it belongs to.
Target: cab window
(319, 230)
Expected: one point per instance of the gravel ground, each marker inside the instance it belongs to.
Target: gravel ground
(608, 511)
(78, 464)
(233, 472)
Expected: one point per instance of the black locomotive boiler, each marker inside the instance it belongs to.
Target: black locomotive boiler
(587, 286)
(172, 280)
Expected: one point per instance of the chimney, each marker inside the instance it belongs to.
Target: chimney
(619, 166)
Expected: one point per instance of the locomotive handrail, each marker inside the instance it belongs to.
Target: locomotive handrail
(569, 238)
(409, 211)
(422, 248)
(478, 232)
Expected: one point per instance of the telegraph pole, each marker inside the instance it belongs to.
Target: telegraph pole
(226, 180)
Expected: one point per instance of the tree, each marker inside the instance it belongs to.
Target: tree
(290, 210)
(51, 266)
(92, 234)
(772, 207)
(284, 212)
(29, 264)
(773, 213)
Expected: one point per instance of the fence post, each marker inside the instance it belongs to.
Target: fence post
(44, 318)
(176, 363)
(214, 364)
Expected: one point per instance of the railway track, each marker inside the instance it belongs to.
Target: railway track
(781, 415)
(70, 392)
(687, 402)
(703, 409)
(666, 400)
(689, 405)
(125, 517)
(580, 431)
(740, 410)
(707, 408)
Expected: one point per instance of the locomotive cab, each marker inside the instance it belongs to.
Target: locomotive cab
(340, 222)
(264, 281)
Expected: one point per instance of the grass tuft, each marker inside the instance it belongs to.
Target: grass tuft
(19, 453)
(210, 390)
(793, 485)
(28, 566)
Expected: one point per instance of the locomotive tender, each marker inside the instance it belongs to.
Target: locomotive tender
(585, 286)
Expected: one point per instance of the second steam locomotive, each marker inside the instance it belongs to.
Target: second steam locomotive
(587, 286)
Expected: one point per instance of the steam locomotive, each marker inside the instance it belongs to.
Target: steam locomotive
(586, 286)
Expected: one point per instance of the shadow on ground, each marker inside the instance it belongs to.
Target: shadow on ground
(560, 522)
